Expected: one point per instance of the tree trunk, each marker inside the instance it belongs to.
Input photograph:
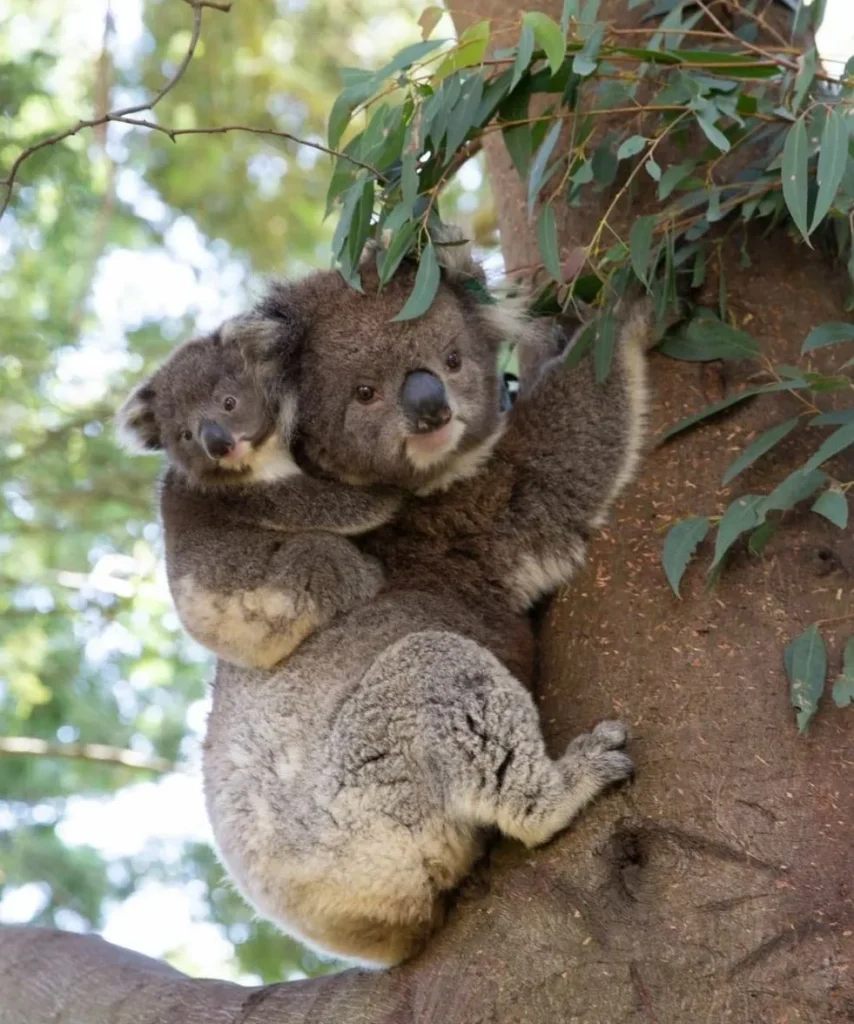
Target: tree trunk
(720, 886)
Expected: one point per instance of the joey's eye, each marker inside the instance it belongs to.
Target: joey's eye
(453, 360)
(229, 404)
(365, 393)
(186, 435)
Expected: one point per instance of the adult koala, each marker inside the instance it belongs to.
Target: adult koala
(351, 787)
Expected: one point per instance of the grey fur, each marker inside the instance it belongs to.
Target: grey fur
(256, 551)
(350, 789)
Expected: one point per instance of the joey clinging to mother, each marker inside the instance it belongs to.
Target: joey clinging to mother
(257, 554)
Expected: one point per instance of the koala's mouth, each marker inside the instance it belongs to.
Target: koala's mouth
(426, 450)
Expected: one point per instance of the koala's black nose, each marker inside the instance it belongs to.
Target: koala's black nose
(216, 440)
(425, 401)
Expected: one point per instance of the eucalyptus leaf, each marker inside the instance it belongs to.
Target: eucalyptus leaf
(706, 338)
(524, 51)
(794, 175)
(742, 515)
(425, 288)
(827, 334)
(640, 245)
(833, 505)
(585, 61)
(603, 347)
(548, 243)
(679, 546)
(713, 410)
(398, 247)
(538, 166)
(806, 666)
(631, 147)
(549, 35)
(832, 160)
(761, 446)
(843, 687)
(838, 441)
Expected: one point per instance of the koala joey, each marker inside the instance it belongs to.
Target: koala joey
(257, 554)
(350, 789)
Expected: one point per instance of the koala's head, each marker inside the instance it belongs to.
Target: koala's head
(219, 407)
(412, 404)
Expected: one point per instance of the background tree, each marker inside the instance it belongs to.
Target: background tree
(718, 887)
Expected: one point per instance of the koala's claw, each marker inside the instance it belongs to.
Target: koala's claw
(600, 755)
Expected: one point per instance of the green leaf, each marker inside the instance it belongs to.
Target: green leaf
(833, 505)
(797, 487)
(603, 350)
(547, 240)
(570, 10)
(838, 441)
(549, 35)
(360, 226)
(604, 163)
(763, 444)
(408, 56)
(538, 167)
(679, 545)
(804, 79)
(674, 176)
(706, 338)
(794, 175)
(713, 133)
(832, 161)
(758, 540)
(640, 245)
(742, 515)
(464, 116)
(806, 666)
(827, 334)
(652, 169)
(631, 147)
(831, 419)
(713, 410)
(351, 202)
(843, 688)
(519, 139)
(524, 52)
(470, 51)
(585, 61)
(426, 286)
(398, 247)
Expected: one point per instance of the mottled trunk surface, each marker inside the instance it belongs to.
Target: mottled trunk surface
(720, 886)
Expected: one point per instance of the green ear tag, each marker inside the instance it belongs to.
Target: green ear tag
(479, 292)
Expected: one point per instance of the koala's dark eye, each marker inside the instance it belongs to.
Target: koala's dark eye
(453, 360)
(365, 393)
(186, 435)
(229, 404)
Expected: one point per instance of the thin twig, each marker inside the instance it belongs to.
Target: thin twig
(125, 115)
(31, 746)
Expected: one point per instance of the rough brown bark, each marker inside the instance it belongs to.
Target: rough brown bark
(720, 887)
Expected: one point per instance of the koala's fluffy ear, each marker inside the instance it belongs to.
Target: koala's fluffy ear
(455, 256)
(136, 425)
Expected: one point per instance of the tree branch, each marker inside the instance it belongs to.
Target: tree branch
(32, 746)
(125, 115)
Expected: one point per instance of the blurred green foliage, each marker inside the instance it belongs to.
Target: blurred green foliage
(90, 650)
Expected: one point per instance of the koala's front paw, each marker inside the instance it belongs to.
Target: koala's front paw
(599, 756)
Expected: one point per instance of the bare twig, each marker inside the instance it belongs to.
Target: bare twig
(31, 746)
(125, 115)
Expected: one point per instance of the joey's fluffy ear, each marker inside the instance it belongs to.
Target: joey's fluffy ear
(136, 426)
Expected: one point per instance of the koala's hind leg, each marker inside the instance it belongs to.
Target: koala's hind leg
(483, 735)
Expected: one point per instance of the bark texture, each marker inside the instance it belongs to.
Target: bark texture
(720, 886)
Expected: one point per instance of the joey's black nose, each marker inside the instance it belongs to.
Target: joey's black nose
(216, 440)
(425, 401)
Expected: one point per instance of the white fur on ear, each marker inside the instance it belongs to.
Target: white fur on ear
(136, 426)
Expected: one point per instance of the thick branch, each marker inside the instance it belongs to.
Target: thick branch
(31, 746)
(81, 979)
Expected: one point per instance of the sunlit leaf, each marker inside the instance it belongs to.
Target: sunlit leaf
(549, 35)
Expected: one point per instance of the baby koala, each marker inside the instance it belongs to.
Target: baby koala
(256, 552)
